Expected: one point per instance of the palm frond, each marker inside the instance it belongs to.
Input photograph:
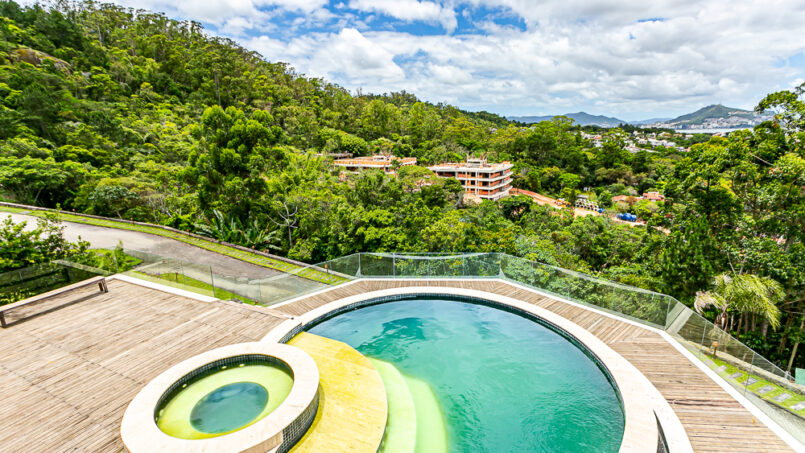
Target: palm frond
(706, 299)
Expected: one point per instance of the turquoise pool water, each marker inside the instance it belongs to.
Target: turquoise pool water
(502, 382)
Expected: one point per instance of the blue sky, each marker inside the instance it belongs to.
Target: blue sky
(632, 59)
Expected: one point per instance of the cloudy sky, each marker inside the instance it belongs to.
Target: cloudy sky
(633, 59)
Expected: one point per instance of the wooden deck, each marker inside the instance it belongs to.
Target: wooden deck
(714, 421)
(72, 364)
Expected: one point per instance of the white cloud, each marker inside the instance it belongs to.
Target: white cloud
(347, 55)
(629, 58)
(219, 12)
(410, 10)
(305, 6)
(236, 26)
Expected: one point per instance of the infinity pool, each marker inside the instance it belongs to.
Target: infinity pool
(463, 377)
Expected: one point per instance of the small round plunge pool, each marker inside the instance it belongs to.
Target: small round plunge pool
(223, 397)
(499, 379)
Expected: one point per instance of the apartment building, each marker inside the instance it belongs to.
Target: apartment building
(479, 178)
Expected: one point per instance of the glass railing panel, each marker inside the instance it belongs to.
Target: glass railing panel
(517, 269)
(543, 278)
(33, 280)
(648, 306)
(730, 348)
(446, 266)
(251, 284)
(692, 330)
(552, 280)
(185, 276)
(411, 266)
(482, 265)
(346, 266)
(376, 265)
(292, 284)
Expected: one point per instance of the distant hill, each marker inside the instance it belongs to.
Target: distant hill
(712, 112)
(716, 116)
(650, 121)
(581, 118)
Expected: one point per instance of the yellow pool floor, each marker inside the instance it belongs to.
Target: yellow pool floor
(352, 399)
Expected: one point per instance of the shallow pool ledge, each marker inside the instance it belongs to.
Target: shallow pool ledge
(643, 404)
(140, 433)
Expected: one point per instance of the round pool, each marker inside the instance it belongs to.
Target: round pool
(223, 397)
(464, 375)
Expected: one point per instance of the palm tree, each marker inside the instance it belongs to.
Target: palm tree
(228, 228)
(745, 293)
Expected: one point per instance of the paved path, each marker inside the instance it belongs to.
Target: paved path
(108, 238)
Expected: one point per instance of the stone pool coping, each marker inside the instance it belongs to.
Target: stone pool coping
(140, 432)
(642, 402)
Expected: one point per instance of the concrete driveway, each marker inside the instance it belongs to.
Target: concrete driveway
(108, 238)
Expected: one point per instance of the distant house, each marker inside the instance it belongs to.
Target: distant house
(376, 162)
(651, 196)
(654, 196)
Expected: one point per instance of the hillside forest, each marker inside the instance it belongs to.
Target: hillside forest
(129, 114)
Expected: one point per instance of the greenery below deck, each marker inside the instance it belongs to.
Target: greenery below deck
(795, 398)
(182, 281)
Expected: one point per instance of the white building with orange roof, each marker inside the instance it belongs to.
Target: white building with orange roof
(376, 162)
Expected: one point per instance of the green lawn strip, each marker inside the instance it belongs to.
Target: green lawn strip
(190, 284)
(253, 258)
(794, 399)
(14, 210)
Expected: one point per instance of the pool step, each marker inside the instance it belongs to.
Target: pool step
(431, 432)
(415, 423)
(400, 436)
(352, 399)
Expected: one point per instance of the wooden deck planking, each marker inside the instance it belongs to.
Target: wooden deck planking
(714, 421)
(67, 375)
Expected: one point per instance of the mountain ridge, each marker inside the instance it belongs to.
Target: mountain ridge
(714, 115)
(582, 118)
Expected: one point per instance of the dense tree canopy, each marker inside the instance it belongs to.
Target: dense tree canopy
(129, 114)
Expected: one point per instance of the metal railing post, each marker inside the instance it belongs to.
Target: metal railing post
(212, 282)
(704, 332)
(749, 372)
(358, 274)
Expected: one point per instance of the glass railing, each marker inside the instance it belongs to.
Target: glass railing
(37, 279)
(744, 369)
(247, 283)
